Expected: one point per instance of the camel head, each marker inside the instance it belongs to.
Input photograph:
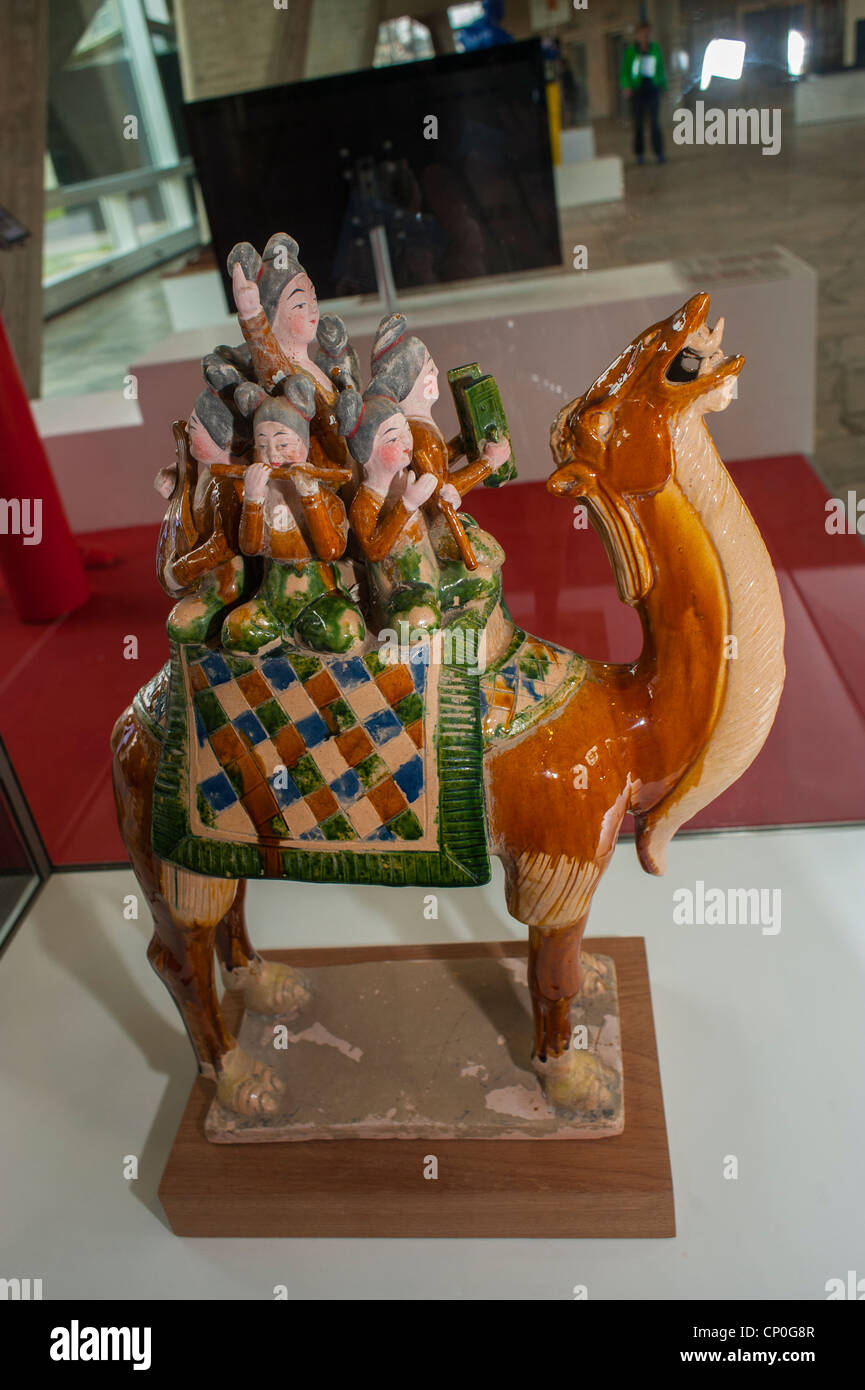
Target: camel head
(616, 441)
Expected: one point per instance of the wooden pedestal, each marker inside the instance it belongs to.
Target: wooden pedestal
(614, 1186)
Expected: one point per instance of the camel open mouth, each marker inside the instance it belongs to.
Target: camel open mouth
(702, 361)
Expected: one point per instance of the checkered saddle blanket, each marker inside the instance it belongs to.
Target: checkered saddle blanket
(529, 682)
(322, 768)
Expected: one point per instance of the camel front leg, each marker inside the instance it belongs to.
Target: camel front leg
(573, 1079)
(555, 976)
(268, 987)
(188, 914)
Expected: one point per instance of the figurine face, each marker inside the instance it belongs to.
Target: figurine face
(392, 448)
(202, 446)
(297, 312)
(276, 443)
(425, 391)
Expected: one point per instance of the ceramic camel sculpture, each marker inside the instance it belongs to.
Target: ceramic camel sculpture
(667, 732)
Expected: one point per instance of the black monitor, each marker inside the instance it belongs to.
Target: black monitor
(450, 155)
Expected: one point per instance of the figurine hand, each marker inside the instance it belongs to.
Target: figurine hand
(166, 481)
(255, 481)
(449, 493)
(306, 486)
(496, 452)
(246, 295)
(418, 490)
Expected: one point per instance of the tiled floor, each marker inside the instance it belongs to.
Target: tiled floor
(810, 197)
(90, 347)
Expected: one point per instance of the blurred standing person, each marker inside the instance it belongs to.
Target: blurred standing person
(644, 77)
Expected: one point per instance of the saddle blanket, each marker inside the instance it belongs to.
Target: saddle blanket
(528, 682)
(321, 767)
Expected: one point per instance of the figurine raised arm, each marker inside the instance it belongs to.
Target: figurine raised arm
(277, 309)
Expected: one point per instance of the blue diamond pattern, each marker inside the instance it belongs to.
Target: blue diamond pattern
(250, 726)
(382, 726)
(218, 792)
(216, 668)
(312, 730)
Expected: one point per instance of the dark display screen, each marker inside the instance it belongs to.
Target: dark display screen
(323, 160)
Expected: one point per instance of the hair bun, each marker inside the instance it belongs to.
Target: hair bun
(349, 408)
(245, 255)
(332, 335)
(248, 397)
(299, 391)
(218, 373)
(239, 357)
(390, 330)
(280, 240)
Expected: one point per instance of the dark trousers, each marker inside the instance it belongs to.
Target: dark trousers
(645, 100)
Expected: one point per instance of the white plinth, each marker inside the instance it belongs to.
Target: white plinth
(590, 181)
(578, 143)
(834, 96)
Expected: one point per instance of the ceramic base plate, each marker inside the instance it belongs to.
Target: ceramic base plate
(423, 1049)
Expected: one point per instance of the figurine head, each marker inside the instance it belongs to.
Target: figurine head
(288, 295)
(403, 368)
(280, 423)
(377, 433)
(335, 353)
(211, 428)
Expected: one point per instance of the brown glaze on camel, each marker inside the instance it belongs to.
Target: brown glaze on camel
(667, 733)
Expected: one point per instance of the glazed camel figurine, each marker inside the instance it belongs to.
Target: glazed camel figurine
(660, 737)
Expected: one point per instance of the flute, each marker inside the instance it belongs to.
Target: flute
(292, 470)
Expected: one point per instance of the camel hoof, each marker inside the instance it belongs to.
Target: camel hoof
(578, 1082)
(247, 1086)
(271, 988)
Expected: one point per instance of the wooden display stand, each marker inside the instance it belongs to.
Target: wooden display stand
(614, 1186)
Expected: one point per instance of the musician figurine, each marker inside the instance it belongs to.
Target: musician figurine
(469, 558)
(292, 516)
(198, 557)
(387, 515)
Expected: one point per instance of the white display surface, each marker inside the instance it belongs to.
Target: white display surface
(761, 1040)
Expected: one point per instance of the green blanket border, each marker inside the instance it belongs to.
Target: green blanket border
(462, 861)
